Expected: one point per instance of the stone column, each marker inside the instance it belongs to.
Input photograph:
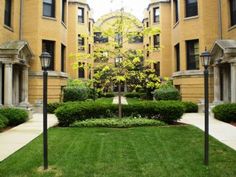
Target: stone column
(226, 85)
(8, 84)
(25, 87)
(1, 84)
(233, 82)
(216, 84)
(16, 86)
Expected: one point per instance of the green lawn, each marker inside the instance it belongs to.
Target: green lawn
(136, 152)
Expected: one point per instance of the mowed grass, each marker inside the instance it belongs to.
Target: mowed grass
(175, 151)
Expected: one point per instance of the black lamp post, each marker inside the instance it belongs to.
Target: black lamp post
(45, 63)
(206, 58)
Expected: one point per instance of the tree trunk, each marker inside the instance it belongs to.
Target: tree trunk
(119, 97)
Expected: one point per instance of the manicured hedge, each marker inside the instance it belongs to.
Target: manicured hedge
(51, 107)
(170, 93)
(108, 95)
(75, 94)
(225, 112)
(135, 95)
(190, 107)
(3, 122)
(14, 116)
(118, 123)
(167, 111)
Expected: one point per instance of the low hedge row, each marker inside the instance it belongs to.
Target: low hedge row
(225, 112)
(170, 93)
(107, 95)
(51, 107)
(167, 111)
(118, 123)
(12, 117)
(75, 94)
(190, 107)
(135, 95)
(3, 122)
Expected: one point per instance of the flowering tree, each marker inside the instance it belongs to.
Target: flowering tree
(115, 63)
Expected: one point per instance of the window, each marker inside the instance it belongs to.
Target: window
(156, 14)
(63, 49)
(49, 46)
(119, 39)
(177, 57)
(148, 53)
(89, 27)
(81, 72)
(89, 48)
(81, 43)
(7, 16)
(49, 8)
(118, 61)
(98, 38)
(176, 9)
(233, 12)
(192, 54)
(81, 15)
(63, 11)
(147, 24)
(156, 41)
(156, 67)
(191, 8)
(135, 39)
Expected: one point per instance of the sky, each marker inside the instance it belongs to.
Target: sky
(101, 7)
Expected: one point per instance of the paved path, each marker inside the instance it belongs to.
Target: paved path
(223, 132)
(116, 100)
(17, 137)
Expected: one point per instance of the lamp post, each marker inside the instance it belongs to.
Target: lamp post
(45, 63)
(206, 58)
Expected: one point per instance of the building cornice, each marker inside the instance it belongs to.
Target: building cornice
(152, 4)
(80, 3)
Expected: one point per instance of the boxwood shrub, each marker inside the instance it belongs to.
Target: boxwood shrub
(169, 93)
(225, 112)
(3, 122)
(51, 107)
(190, 107)
(14, 115)
(75, 94)
(118, 123)
(135, 95)
(108, 95)
(167, 111)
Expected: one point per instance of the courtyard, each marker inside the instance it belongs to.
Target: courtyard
(174, 151)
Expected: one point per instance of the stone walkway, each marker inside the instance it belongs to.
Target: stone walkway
(116, 100)
(17, 137)
(223, 132)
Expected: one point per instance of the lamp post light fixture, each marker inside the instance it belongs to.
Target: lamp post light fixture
(45, 63)
(206, 59)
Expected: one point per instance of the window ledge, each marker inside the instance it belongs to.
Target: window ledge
(191, 18)
(63, 24)
(50, 74)
(188, 73)
(175, 24)
(232, 28)
(8, 28)
(49, 18)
